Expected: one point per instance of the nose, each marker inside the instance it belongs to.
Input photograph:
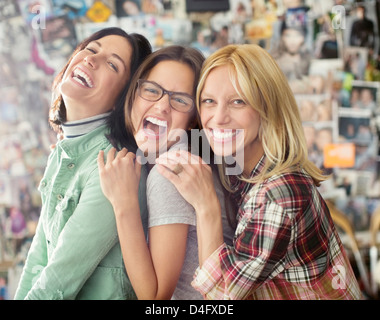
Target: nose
(221, 115)
(163, 104)
(90, 60)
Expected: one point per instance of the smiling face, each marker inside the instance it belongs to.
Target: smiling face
(95, 77)
(230, 124)
(155, 123)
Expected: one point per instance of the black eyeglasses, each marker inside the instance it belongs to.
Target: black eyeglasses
(151, 91)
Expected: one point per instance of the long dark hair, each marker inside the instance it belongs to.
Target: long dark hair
(140, 49)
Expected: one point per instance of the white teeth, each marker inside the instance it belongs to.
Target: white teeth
(223, 134)
(156, 121)
(78, 80)
(83, 76)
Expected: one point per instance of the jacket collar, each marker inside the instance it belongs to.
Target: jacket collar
(75, 147)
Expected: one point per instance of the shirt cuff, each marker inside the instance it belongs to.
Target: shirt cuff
(209, 276)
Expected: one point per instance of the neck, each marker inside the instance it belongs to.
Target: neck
(77, 109)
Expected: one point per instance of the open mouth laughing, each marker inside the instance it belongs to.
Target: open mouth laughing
(82, 78)
(154, 127)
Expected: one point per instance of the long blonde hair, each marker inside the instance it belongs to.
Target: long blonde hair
(265, 88)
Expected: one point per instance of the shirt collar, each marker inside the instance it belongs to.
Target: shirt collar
(241, 186)
(75, 147)
(73, 129)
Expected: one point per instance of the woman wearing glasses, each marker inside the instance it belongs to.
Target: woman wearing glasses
(159, 110)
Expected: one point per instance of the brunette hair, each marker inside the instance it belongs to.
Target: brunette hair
(187, 55)
(140, 49)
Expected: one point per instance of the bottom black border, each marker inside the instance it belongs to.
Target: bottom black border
(180, 310)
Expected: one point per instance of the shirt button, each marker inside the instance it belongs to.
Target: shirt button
(59, 197)
(71, 166)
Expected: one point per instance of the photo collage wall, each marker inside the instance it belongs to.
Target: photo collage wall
(328, 50)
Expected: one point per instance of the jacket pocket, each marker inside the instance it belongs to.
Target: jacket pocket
(107, 284)
(57, 219)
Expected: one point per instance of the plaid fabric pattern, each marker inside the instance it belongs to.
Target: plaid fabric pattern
(285, 247)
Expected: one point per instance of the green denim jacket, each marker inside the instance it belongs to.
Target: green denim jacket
(75, 253)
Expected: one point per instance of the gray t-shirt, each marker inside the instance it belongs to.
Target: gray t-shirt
(167, 206)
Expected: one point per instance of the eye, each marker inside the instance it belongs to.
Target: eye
(180, 100)
(151, 90)
(207, 101)
(91, 50)
(113, 66)
(238, 103)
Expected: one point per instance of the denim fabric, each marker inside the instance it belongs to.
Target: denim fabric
(75, 253)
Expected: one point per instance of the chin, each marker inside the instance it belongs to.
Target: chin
(221, 151)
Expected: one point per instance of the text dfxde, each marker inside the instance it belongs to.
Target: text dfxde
(190, 310)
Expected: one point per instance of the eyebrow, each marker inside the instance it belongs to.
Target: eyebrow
(209, 95)
(176, 92)
(113, 55)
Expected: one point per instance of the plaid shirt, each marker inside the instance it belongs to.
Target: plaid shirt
(285, 246)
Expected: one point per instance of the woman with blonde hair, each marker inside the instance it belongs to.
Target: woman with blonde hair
(285, 244)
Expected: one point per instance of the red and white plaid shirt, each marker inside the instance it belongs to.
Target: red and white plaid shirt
(285, 246)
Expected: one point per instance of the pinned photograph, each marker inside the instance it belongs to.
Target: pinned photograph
(364, 95)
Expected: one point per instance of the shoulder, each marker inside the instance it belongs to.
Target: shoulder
(165, 204)
(292, 189)
(157, 181)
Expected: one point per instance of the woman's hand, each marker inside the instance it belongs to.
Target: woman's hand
(190, 175)
(193, 179)
(119, 177)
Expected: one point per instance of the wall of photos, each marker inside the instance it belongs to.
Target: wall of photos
(329, 54)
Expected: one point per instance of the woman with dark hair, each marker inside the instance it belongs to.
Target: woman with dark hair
(159, 112)
(140, 49)
(75, 253)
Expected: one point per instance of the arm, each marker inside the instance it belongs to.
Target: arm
(195, 183)
(34, 264)
(85, 239)
(263, 234)
(153, 271)
(37, 256)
